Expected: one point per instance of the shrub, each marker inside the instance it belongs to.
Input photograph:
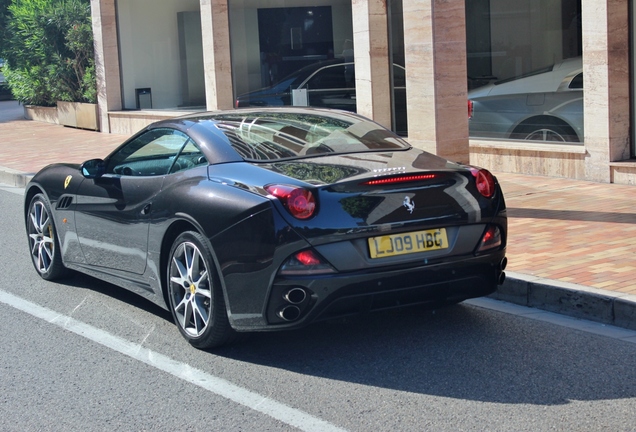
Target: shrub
(49, 51)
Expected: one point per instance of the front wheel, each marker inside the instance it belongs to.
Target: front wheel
(43, 242)
(196, 299)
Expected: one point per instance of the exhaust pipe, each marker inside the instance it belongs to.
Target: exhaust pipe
(295, 296)
(502, 278)
(289, 313)
(502, 267)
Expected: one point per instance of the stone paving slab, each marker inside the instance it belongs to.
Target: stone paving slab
(571, 245)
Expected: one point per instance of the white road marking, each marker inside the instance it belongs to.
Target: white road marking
(211, 383)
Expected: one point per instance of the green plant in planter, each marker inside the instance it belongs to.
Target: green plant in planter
(49, 51)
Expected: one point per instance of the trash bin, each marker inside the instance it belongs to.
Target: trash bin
(144, 98)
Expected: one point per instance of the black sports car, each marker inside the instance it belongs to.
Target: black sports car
(268, 219)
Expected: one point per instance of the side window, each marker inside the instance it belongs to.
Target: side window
(399, 76)
(577, 82)
(189, 157)
(150, 154)
(331, 77)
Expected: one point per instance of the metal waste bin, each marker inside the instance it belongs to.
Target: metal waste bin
(144, 98)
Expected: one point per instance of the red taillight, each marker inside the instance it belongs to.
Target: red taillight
(307, 258)
(484, 180)
(491, 239)
(399, 179)
(300, 202)
(306, 262)
(470, 109)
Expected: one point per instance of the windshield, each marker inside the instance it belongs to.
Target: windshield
(278, 135)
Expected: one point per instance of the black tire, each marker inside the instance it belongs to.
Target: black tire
(545, 132)
(44, 245)
(195, 297)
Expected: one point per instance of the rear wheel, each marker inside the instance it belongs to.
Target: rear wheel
(43, 242)
(196, 300)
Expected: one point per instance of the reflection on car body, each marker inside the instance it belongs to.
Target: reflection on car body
(545, 105)
(268, 219)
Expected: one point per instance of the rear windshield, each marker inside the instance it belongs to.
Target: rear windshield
(281, 135)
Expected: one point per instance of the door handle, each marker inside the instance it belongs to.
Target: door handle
(146, 209)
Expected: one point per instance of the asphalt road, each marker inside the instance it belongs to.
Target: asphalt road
(86, 355)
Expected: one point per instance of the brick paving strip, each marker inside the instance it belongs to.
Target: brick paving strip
(571, 243)
(573, 231)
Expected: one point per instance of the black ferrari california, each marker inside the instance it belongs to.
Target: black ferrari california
(268, 219)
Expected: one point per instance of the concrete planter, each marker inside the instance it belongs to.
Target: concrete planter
(42, 114)
(78, 115)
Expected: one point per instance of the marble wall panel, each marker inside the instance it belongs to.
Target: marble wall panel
(216, 54)
(435, 48)
(104, 22)
(371, 54)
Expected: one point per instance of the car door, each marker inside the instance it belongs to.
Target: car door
(114, 210)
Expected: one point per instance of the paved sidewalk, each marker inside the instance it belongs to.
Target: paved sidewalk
(571, 246)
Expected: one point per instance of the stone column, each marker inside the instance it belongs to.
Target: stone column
(216, 54)
(106, 60)
(372, 63)
(606, 85)
(436, 76)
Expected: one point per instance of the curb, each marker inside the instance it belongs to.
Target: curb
(578, 301)
(15, 178)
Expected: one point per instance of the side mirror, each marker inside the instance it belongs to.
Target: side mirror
(93, 168)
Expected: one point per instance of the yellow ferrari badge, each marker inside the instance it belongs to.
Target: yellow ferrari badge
(67, 181)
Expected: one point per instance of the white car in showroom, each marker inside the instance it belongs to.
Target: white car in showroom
(543, 105)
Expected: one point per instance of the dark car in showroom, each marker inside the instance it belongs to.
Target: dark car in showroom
(543, 105)
(325, 84)
(269, 219)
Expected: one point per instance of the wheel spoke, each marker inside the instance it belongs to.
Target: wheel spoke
(187, 315)
(182, 279)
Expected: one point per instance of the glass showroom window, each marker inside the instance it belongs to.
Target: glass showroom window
(398, 73)
(292, 54)
(161, 54)
(525, 76)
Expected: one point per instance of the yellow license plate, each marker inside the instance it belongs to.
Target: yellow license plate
(407, 243)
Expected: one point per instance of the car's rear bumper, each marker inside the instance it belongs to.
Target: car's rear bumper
(342, 294)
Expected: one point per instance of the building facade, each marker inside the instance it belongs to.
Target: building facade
(539, 87)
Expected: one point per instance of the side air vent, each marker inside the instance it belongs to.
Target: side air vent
(64, 202)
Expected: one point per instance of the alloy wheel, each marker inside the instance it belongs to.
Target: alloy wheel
(41, 235)
(190, 289)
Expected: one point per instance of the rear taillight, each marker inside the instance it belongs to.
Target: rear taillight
(305, 262)
(484, 180)
(299, 202)
(470, 109)
(490, 240)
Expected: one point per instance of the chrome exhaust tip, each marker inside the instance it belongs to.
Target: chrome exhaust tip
(295, 296)
(289, 313)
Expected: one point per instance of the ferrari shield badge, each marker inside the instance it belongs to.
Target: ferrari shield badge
(67, 181)
(410, 205)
